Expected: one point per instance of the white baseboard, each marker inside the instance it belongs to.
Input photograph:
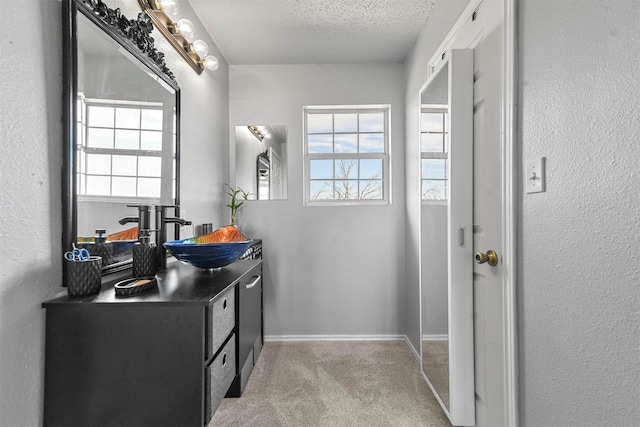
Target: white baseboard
(442, 337)
(310, 338)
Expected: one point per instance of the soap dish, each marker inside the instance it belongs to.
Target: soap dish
(134, 286)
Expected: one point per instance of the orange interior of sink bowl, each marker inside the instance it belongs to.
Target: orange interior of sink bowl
(225, 234)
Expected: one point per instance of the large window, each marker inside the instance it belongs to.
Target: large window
(346, 155)
(120, 149)
(434, 146)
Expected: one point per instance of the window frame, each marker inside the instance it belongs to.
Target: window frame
(444, 109)
(385, 156)
(82, 149)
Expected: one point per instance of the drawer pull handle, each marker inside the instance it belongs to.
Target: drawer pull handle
(224, 359)
(252, 284)
(224, 304)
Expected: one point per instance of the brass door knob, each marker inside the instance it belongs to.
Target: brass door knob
(490, 257)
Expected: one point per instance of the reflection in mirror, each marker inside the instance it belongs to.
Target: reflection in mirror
(446, 136)
(125, 150)
(434, 141)
(261, 161)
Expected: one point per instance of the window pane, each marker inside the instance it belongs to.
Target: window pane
(372, 143)
(128, 118)
(125, 187)
(98, 185)
(321, 190)
(432, 122)
(371, 169)
(321, 169)
(346, 122)
(319, 123)
(149, 187)
(434, 168)
(372, 122)
(151, 120)
(434, 190)
(99, 164)
(432, 142)
(149, 166)
(320, 143)
(125, 165)
(346, 143)
(100, 138)
(100, 116)
(371, 190)
(347, 154)
(346, 169)
(151, 140)
(346, 189)
(127, 139)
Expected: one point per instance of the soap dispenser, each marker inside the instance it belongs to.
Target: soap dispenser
(102, 248)
(145, 258)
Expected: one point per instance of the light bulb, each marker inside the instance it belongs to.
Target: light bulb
(201, 48)
(211, 62)
(186, 29)
(170, 7)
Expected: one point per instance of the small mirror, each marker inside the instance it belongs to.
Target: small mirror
(261, 161)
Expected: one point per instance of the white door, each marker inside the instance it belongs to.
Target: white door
(493, 327)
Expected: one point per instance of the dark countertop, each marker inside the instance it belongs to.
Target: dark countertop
(179, 284)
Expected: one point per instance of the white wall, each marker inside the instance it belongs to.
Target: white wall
(415, 73)
(30, 183)
(579, 252)
(328, 270)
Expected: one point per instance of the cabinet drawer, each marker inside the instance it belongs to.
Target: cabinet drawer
(222, 319)
(219, 376)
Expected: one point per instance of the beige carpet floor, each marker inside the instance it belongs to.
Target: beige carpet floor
(435, 360)
(338, 383)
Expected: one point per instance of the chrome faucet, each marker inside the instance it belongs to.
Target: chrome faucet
(161, 235)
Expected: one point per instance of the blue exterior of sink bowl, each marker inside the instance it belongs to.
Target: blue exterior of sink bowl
(207, 255)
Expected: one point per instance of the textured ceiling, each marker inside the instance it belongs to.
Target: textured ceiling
(313, 31)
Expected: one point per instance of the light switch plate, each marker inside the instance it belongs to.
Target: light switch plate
(535, 176)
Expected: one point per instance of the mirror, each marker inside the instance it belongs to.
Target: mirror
(446, 138)
(122, 130)
(261, 161)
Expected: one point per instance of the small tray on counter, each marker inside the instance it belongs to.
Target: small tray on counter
(134, 286)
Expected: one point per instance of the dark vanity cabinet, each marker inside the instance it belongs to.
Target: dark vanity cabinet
(250, 323)
(164, 358)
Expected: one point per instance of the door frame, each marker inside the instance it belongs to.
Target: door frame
(509, 185)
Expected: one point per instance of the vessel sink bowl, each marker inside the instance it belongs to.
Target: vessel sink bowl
(217, 249)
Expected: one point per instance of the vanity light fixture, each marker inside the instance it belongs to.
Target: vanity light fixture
(259, 132)
(181, 34)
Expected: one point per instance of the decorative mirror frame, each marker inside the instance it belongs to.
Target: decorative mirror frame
(133, 36)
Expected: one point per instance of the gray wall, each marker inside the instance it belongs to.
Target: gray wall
(434, 281)
(579, 251)
(328, 270)
(30, 183)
